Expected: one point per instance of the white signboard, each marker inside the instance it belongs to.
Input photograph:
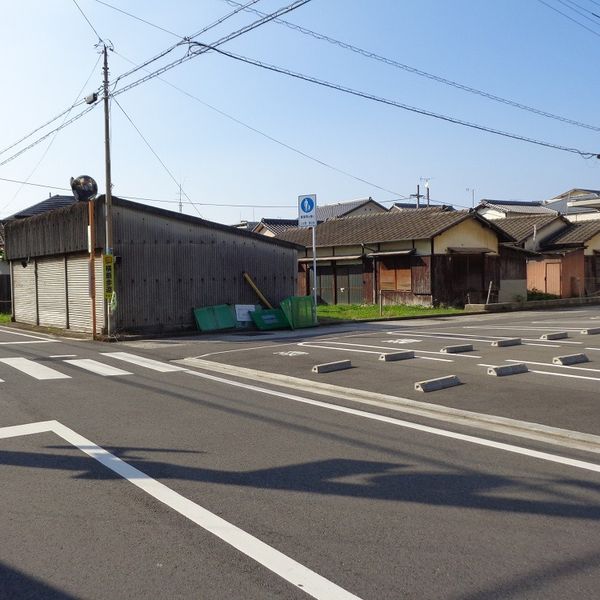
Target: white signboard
(307, 210)
(242, 312)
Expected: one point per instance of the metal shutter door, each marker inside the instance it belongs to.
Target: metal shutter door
(24, 293)
(80, 303)
(52, 301)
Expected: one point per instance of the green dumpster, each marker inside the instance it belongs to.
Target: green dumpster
(300, 311)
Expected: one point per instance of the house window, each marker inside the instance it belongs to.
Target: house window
(394, 274)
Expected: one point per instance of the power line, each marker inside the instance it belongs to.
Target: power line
(155, 154)
(419, 72)
(574, 7)
(235, 34)
(68, 110)
(568, 17)
(88, 21)
(382, 100)
(270, 137)
(39, 162)
(47, 135)
(204, 48)
(185, 39)
(139, 19)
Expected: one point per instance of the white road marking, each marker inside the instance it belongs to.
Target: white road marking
(244, 349)
(407, 424)
(542, 364)
(469, 337)
(63, 356)
(591, 348)
(434, 358)
(387, 348)
(11, 331)
(33, 369)
(520, 328)
(301, 577)
(554, 374)
(97, 367)
(141, 361)
(29, 342)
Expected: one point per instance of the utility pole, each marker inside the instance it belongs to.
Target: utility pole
(108, 195)
(418, 195)
(472, 190)
(180, 203)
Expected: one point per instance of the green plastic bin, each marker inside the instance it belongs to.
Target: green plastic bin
(213, 318)
(272, 318)
(300, 311)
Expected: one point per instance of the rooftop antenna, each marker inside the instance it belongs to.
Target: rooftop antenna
(472, 190)
(426, 180)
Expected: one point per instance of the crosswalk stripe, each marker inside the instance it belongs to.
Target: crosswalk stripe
(35, 370)
(155, 365)
(97, 367)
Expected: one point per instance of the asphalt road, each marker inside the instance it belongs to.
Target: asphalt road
(233, 487)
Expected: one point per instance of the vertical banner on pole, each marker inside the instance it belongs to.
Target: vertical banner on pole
(307, 217)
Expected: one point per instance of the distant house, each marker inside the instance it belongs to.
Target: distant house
(505, 209)
(273, 227)
(530, 232)
(577, 204)
(407, 257)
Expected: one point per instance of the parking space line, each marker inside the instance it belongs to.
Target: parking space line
(542, 364)
(469, 337)
(389, 348)
(301, 577)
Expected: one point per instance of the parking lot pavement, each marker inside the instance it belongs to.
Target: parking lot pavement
(563, 396)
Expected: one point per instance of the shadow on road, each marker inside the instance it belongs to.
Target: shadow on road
(351, 478)
(15, 585)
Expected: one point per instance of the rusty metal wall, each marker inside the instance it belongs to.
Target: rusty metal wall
(167, 266)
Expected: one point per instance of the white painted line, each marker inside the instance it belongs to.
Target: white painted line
(565, 375)
(542, 364)
(543, 345)
(307, 345)
(63, 355)
(434, 358)
(512, 327)
(407, 424)
(592, 348)
(97, 367)
(33, 369)
(388, 348)
(485, 338)
(244, 349)
(301, 577)
(11, 331)
(29, 342)
(141, 361)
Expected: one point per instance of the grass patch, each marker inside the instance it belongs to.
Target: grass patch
(537, 295)
(4, 318)
(356, 312)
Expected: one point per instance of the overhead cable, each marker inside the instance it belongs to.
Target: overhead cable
(155, 154)
(389, 102)
(560, 12)
(88, 21)
(270, 137)
(139, 18)
(419, 72)
(185, 39)
(203, 48)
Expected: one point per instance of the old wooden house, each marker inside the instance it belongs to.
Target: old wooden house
(424, 256)
(166, 264)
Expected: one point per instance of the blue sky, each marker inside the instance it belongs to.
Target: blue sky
(518, 49)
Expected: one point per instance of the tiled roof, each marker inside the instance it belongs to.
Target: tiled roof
(576, 233)
(520, 228)
(276, 226)
(516, 206)
(47, 205)
(335, 211)
(413, 206)
(378, 227)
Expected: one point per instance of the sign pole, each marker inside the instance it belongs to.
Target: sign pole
(314, 254)
(307, 217)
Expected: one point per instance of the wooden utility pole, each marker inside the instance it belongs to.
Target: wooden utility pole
(418, 196)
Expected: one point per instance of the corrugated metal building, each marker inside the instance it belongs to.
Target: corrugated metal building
(167, 264)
